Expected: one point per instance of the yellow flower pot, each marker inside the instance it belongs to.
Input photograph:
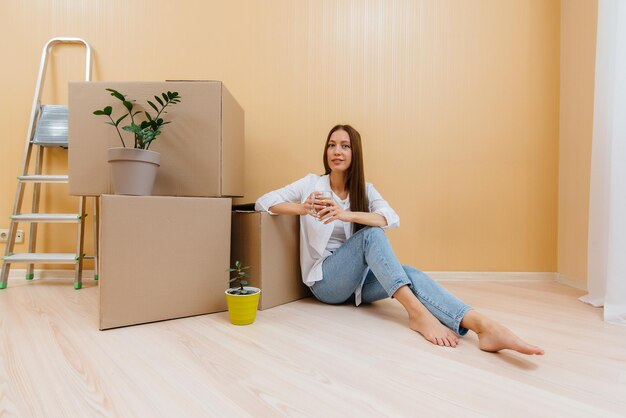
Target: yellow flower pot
(242, 308)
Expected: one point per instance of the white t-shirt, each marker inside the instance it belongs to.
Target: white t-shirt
(314, 235)
(338, 237)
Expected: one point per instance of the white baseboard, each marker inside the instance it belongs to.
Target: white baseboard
(49, 274)
(440, 276)
(563, 279)
(455, 276)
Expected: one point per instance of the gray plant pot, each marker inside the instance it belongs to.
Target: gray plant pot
(133, 171)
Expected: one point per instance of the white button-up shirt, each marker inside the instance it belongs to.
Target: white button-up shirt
(314, 235)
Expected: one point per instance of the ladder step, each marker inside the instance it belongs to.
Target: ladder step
(48, 258)
(47, 217)
(44, 178)
(51, 129)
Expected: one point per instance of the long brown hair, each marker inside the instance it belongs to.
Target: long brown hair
(355, 176)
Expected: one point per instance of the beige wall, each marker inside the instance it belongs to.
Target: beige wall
(457, 102)
(578, 53)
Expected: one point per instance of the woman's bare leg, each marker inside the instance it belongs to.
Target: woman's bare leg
(422, 321)
(493, 336)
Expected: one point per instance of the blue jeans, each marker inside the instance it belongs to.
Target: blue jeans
(369, 247)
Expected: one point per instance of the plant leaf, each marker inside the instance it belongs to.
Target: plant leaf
(128, 105)
(156, 109)
(106, 111)
(165, 97)
(158, 99)
(117, 94)
(133, 127)
(117, 122)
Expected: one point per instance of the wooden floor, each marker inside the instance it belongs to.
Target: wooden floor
(306, 359)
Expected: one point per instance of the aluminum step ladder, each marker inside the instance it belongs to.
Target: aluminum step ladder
(47, 128)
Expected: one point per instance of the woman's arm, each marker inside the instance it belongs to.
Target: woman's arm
(381, 214)
(288, 208)
(380, 206)
(366, 218)
(292, 193)
(332, 211)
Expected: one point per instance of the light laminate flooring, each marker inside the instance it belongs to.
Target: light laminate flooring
(306, 359)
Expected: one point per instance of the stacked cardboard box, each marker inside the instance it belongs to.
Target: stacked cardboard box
(270, 245)
(163, 256)
(201, 150)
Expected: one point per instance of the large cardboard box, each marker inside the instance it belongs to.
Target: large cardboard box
(270, 245)
(162, 258)
(202, 150)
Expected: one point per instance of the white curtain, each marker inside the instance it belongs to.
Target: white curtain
(606, 275)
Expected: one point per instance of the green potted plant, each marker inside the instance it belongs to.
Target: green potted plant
(134, 168)
(242, 300)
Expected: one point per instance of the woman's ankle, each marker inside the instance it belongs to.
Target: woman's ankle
(410, 302)
(475, 321)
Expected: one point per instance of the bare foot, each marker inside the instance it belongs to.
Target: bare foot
(433, 330)
(495, 337)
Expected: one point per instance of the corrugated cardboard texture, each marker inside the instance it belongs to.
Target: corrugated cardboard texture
(162, 258)
(270, 246)
(202, 150)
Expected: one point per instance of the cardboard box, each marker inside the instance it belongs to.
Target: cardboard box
(202, 150)
(162, 258)
(270, 245)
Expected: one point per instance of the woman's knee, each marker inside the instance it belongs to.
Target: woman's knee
(375, 232)
(416, 276)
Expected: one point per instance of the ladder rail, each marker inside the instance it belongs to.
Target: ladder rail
(78, 267)
(43, 65)
(32, 237)
(34, 114)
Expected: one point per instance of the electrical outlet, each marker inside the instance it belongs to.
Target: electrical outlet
(4, 236)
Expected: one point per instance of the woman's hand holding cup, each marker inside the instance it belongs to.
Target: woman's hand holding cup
(316, 202)
(309, 205)
(330, 210)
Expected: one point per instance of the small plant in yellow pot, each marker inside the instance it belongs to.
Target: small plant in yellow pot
(242, 300)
